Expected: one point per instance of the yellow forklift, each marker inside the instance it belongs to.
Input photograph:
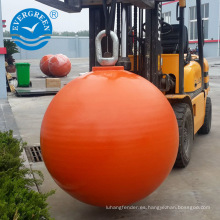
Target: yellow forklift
(132, 33)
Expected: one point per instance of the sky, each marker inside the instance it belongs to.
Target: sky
(71, 22)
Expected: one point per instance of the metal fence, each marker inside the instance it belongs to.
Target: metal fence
(73, 47)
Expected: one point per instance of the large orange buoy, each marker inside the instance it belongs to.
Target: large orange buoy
(44, 64)
(109, 137)
(59, 65)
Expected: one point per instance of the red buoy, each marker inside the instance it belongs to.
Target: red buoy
(109, 137)
(59, 65)
(44, 65)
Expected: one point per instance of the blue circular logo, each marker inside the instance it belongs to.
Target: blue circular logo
(31, 29)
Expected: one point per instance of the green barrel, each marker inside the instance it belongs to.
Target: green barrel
(23, 74)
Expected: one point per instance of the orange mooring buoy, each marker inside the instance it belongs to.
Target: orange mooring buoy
(44, 64)
(59, 65)
(109, 137)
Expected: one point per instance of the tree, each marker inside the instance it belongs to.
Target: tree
(6, 34)
(11, 49)
(56, 33)
(84, 33)
(67, 33)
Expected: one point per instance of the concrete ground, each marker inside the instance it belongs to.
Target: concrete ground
(197, 186)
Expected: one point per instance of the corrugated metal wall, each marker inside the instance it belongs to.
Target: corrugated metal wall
(73, 47)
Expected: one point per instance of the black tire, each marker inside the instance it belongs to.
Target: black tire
(185, 123)
(206, 127)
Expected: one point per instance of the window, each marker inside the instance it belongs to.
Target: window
(205, 18)
(167, 17)
(193, 34)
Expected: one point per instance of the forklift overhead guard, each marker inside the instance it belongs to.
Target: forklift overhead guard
(72, 6)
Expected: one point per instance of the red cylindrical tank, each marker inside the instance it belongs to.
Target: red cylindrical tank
(109, 137)
(59, 65)
(44, 64)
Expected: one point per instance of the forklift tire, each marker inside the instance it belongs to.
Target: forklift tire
(185, 123)
(206, 127)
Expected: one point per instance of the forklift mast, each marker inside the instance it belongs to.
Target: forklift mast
(142, 41)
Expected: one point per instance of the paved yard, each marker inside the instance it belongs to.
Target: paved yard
(198, 185)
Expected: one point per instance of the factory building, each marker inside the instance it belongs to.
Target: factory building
(211, 22)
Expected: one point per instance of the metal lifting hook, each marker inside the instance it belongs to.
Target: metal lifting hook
(104, 61)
